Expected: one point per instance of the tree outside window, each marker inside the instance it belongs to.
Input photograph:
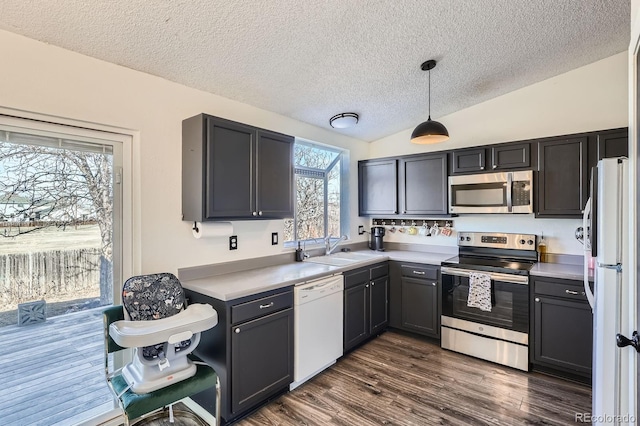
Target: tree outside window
(318, 193)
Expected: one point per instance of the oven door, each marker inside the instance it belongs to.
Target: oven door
(509, 300)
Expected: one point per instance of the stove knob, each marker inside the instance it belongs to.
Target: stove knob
(468, 238)
(461, 238)
(522, 242)
(530, 242)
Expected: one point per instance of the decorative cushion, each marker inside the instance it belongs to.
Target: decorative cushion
(151, 297)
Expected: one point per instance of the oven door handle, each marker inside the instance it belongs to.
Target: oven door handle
(507, 278)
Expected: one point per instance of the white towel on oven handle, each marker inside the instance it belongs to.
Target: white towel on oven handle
(479, 291)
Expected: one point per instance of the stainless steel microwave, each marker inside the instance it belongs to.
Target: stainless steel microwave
(506, 192)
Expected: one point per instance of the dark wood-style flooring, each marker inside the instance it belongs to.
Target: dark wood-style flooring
(399, 379)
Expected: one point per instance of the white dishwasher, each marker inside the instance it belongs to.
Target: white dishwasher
(318, 326)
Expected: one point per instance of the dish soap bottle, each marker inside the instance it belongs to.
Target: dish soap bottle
(299, 253)
(542, 249)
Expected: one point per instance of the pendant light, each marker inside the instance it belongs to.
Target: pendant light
(430, 131)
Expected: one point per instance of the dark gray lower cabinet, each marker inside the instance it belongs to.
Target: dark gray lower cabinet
(261, 358)
(251, 348)
(420, 306)
(366, 303)
(415, 298)
(562, 326)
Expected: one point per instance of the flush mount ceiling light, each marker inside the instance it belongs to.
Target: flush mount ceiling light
(430, 131)
(344, 120)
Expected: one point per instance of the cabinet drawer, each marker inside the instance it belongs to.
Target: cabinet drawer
(378, 271)
(423, 272)
(559, 288)
(356, 277)
(257, 308)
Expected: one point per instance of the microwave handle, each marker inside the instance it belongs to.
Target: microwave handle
(509, 192)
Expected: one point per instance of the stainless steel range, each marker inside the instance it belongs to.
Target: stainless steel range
(501, 333)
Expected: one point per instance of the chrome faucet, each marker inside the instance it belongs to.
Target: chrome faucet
(328, 247)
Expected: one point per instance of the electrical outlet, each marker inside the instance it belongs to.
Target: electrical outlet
(274, 238)
(233, 242)
(360, 230)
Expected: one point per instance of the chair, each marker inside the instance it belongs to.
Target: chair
(155, 321)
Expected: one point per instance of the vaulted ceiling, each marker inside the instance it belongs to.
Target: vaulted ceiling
(312, 59)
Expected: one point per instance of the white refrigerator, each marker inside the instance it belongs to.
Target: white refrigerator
(606, 223)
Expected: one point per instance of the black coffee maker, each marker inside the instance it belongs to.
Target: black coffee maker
(376, 243)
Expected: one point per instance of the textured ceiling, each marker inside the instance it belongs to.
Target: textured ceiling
(312, 59)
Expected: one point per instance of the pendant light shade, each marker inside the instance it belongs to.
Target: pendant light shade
(430, 131)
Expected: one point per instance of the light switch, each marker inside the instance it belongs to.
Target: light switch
(233, 242)
(274, 238)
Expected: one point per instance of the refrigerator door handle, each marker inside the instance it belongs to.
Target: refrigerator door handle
(587, 252)
(615, 266)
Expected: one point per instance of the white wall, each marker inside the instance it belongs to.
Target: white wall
(44, 79)
(592, 97)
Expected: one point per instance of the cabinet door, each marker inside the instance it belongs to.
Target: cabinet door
(261, 359)
(563, 180)
(356, 315)
(229, 176)
(468, 160)
(378, 304)
(274, 185)
(613, 144)
(423, 184)
(377, 187)
(563, 334)
(420, 306)
(511, 156)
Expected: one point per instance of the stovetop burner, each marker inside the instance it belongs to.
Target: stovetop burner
(495, 252)
(505, 266)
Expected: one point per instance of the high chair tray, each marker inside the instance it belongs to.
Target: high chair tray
(196, 318)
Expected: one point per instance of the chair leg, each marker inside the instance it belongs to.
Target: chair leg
(217, 401)
(171, 420)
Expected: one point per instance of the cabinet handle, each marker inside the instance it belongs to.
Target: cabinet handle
(494, 166)
(434, 284)
(373, 283)
(237, 330)
(260, 213)
(481, 167)
(268, 305)
(367, 285)
(571, 292)
(254, 214)
(419, 272)
(537, 299)
(404, 212)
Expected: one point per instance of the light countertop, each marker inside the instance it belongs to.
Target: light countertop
(558, 270)
(246, 283)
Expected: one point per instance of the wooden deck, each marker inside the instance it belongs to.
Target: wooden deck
(52, 373)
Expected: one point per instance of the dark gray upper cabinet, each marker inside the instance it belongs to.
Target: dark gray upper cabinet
(614, 143)
(422, 184)
(377, 187)
(511, 156)
(508, 156)
(410, 185)
(234, 171)
(563, 179)
(562, 326)
(468, 160)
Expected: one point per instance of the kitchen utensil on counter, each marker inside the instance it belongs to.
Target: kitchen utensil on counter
(377, 235)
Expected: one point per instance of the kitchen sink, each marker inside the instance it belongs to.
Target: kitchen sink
(343, 258)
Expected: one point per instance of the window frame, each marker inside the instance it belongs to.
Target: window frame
(316, 173)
